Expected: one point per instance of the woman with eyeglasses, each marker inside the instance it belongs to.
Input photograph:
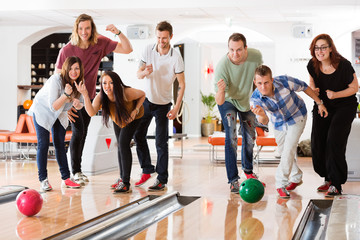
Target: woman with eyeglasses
(334, 80)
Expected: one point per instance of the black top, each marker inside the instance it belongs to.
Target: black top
(336, 81)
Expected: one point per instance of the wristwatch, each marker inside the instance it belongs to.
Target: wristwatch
(67, 95)
(320, 103)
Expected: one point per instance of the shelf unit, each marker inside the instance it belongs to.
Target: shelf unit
(106, 64)
(43, 58)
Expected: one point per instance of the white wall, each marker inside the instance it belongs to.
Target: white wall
(193, 78)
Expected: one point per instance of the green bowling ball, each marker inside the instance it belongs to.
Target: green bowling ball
(251, 190)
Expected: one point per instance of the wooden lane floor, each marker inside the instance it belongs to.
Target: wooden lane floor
(218, 214)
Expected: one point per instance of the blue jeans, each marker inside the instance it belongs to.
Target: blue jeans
(123, 137)
(43, 138)
(229, 115)
(161, 140)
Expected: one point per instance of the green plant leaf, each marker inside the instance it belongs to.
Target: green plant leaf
(209, 102)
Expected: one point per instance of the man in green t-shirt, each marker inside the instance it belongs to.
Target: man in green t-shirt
(234, 77)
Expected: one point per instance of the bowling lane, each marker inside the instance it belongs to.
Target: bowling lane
(218, 214)
(62, 208)
(231, 218)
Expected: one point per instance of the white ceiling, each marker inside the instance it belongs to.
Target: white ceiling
(63, 13)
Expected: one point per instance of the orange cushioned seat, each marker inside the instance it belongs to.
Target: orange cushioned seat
(5, 138)
(262, 140)
(25, 132)
(31, 127)
(218, 139)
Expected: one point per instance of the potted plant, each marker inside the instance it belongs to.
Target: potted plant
(207, 128)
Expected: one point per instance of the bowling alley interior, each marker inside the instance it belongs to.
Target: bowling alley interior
(197, 202)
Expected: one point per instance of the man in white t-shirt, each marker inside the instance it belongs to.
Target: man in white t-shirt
(159, 67)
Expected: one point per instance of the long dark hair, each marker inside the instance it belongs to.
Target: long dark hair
(335, 56)
(121, 113)
(65, 70)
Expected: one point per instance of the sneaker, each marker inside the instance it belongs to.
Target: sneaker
(332, 192)
(235, 187)
(84, 177)
(158, 186)
(283, 193)
(122, 188)
(253, 175)
(79, 179)
(116, 183)
(143, 179)
(45, 185)
(324, 187)
(68, 183)
(291, 186)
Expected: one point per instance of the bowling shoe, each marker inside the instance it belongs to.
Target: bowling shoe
(116, 183)
(283, 193)
(253, 175)
(79, 179)
(84, 177)
(143, 179)
(45, 185)
(69, 184)
(324, 187)
(157, 186)
(332, 192)
(122, 188)
(234, 187)
(291, 186)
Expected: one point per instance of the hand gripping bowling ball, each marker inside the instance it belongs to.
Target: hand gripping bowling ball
(29, 202)
(251, 190)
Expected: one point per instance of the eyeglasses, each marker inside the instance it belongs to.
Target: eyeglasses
(323, 48)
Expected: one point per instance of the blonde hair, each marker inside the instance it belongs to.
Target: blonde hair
(75, 38)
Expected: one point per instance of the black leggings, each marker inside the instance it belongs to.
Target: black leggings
(79, 131)
(123, 137)
(328, 143)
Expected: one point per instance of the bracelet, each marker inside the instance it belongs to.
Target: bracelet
(67, 95)
(118, 33)
(320, 103)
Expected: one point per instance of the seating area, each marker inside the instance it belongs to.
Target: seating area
(25, 138)
(262, 140)
(24, 134)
